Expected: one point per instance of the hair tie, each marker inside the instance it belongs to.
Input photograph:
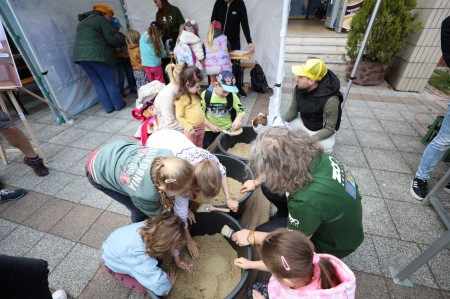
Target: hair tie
(285, 264)
(316, 258)
(195, 75)
(168, 181)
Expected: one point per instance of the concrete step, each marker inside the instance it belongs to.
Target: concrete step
(320, 48)
(317, 39)
(302, 57)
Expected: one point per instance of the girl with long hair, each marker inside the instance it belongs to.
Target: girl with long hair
(152, 50)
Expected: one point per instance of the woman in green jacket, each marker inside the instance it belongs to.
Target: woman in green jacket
(94, 51)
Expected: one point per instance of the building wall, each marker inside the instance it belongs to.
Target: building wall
(413, 67)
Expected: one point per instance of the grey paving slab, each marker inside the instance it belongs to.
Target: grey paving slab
(96, 198)
(114, 125)
(93, 110)
(345, 122)
(375, 140)
(417, 292)
(11, 174)
(68, 159)
(439, 266)
(377, 105)
(6, 227)
(365, 124)
(346, 136)
(103, 285)
(416, 222)
(388, 115)
(408, 144)
(125, 113)
(20, 240)
(29, 180)
(394, 185)
(75, 270)
(377, 219)
(68, 136)
(397, 107)
(366, 181)
(54, 182)
(91, 140)
(386, 160)
(399, 128)
(398, 254)
(76, 190)
(52, 249)
(359, 112)
(49, 214)
(51, 149)
(356, 103)
(364, 258)
(370, 286)
(90, 122)
(350, 155)
(23, 208)
(118, 208)
(130, 129)
(413, 161)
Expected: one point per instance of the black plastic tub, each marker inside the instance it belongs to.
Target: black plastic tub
(238, 170)
(212, 223)
(226, 141)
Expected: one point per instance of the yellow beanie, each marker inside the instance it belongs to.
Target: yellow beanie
(104, 8)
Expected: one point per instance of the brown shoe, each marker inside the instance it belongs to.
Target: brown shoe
(39, 168)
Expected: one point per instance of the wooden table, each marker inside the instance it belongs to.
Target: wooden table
(233, 57)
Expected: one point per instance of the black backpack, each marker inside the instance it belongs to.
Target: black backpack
(259, 82)
(230, 108)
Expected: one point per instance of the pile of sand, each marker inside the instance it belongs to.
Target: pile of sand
(235, 192)
(241, 149)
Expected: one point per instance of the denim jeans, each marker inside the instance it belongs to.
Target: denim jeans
(104, 79)
(123, 69)
(436, 149)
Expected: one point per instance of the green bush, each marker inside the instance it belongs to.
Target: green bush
(440, 80)
(393, 23)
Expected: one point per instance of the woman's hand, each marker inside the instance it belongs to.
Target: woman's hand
(172, 274)
(240, 237)
(191, 217)
(232, 204)
(251, 48)
(257, 295)
(192, 246)
(248, 186)
(243, 263)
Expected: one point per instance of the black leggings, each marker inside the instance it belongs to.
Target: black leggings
(24, 278)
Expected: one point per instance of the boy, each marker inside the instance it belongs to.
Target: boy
(222, 107)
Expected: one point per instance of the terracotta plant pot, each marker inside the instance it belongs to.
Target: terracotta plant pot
(368, 73)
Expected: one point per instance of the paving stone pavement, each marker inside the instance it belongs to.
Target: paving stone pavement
(64, 220)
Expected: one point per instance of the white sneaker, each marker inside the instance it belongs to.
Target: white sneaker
(59, 294)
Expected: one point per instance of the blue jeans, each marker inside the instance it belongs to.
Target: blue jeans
(124, 68)
(436, 149)
(103, 78)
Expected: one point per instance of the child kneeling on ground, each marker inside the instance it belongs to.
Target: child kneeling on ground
(133, 253)
(298, 272)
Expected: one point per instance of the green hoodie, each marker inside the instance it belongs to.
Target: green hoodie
(95, 40)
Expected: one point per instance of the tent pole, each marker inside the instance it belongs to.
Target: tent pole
(361, 50)
(275, 100)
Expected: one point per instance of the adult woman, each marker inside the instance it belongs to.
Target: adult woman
(171, 18)
(323, 199)
(165, 108)
(141, 178)
(94, 51)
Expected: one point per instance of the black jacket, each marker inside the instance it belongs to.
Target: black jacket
(236, 16)
(445, 40)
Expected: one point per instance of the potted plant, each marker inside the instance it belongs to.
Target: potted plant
(392, 26)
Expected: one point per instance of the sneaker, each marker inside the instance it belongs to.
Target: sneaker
(59, 294)
(419, 188)
(447, 188)
(7, 195)
(38, 166)
(242, 94)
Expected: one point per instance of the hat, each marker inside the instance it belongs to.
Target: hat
(104, 8)
(227, 81)
(216, 25)
(191, 26)
(313, 68)
(114, 23)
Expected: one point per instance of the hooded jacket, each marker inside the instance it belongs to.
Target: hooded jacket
(189, 45)
(232, 17)
(95, 40)
(345, 289)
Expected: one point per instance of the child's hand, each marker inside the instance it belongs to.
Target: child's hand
(236, 125)
(248, 186)
(193, 249)
(172, 274)
(232, 204)
(192, 132)
(215, 129)
(183, 265)
(242, 263)
(191, 217)
(257, 295)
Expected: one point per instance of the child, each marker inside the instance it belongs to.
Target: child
(152, 50)
(189, 47)
(136, 250)
(298, 272)
(132, 38)
(188, 109)
(217, 58)
(222, 107)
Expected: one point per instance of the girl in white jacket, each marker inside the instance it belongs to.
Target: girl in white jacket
(189, 48)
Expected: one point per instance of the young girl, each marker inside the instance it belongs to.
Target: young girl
(188, 109)
(131, 253)
(217, 58)
(132, 38)
(298, 272)
(143, 179)
(152, 50)
(189, 48)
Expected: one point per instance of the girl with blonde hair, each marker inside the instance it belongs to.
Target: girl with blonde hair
(152, 50)
(298, 272)
(132, 38)
(217, 58)
(131, 253)
(164, 101)
(207, 170)
(143, 179)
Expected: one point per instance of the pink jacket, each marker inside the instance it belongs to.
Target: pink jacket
(346, 289)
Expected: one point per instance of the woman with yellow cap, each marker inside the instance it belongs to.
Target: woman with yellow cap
(94, 51)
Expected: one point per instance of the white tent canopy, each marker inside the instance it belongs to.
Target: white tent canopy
(45, 32)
